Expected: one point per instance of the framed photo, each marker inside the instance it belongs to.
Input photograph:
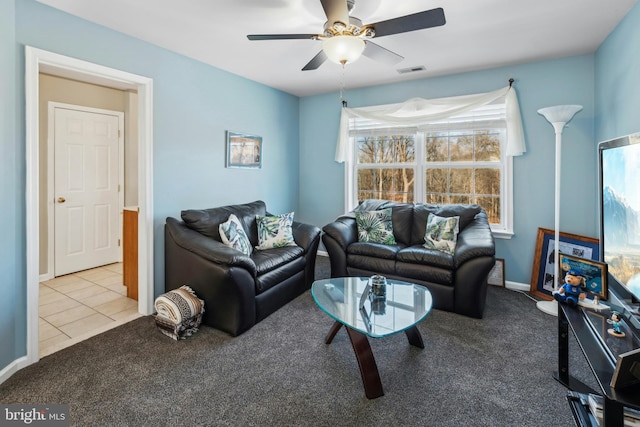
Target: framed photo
(496, 275)
(243, 151)
(544, 273)
(593, 272)
(627, 371)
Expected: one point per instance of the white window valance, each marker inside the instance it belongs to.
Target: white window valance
(418, 112)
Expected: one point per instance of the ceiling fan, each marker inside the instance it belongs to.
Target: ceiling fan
(345, 38)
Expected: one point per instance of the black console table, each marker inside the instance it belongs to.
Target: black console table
(600, 350)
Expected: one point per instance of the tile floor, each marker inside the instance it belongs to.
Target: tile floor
(77, 306)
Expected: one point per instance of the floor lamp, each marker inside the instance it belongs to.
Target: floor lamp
(558, 116)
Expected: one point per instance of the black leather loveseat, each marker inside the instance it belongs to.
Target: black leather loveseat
(239, 290)
(457, 282)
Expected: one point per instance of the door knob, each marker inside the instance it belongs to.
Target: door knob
(61, 200)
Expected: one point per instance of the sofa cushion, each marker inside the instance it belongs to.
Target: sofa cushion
(421, 213)
(410, 271)
(270, 259)
(233, 235)
(402, 221)
(466, 213)
(442, 233)
(375, 250)
(275, 231)
(279, 276)
(425, 257)
(207, 221)
(359, 265)
(375, 226)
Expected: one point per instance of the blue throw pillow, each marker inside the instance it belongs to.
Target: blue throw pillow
(233, 235)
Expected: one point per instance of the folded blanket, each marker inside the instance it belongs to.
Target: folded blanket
(179, 312)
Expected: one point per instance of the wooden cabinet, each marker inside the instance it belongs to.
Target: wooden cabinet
(130, 251)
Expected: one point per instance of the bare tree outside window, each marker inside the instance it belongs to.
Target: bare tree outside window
(473, 173)
(460, 166)
(386, 178)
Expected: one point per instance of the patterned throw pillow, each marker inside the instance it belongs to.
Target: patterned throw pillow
(375, 226)
(275, 231)
(234, 236)
(442, 233)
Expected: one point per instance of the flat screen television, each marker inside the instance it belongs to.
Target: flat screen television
(619, 182)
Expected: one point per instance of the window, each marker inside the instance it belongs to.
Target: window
(460, 160)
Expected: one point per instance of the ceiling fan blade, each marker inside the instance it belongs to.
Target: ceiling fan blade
(282, 36)
(404, 24)
(336, 10)
(380, 54)
(317, 61)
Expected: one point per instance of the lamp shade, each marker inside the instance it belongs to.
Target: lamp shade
(343, 49)
(559, 113)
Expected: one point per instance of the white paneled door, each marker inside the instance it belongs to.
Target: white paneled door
(86, 189)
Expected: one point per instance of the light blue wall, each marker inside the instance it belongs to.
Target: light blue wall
(617, 66)
(12, 245)
(193, 106)
(541, 84)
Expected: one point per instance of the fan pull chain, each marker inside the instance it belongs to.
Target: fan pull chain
(342, 100)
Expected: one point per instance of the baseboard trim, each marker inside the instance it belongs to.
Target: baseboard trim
(13, 367)
(323, 253)
(516, 286)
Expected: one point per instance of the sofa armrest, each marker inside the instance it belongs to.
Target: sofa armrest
(337, 236)
(305, 235)
(474, 241)
(343, 230)
(474, 258)
(208, 248)
(228, 289)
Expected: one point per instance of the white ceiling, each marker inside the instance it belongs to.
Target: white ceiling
(478, 35)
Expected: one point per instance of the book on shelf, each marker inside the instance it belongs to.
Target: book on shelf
(631, 416)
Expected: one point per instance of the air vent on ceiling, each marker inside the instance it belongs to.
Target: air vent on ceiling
(411, 69)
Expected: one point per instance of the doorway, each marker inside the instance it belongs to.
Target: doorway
(88, 186)
(37, 61)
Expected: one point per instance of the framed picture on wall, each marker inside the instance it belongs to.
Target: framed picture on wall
(243, 151)
(543, 274)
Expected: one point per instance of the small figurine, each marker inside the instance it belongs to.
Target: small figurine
(573, 289)
(615, 322)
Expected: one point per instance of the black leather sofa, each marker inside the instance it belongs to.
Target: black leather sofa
(457, 283)
(239, 290)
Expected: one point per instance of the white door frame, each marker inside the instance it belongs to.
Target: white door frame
(36, 61)
(51, 106)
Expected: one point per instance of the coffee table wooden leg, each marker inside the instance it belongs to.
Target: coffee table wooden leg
(332, 332)
(415, 339)
(367, 364)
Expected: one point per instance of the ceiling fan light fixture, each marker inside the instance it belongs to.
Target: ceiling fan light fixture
(339, 27)
(343, 49)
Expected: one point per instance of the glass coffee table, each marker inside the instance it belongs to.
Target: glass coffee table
(403, 307)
